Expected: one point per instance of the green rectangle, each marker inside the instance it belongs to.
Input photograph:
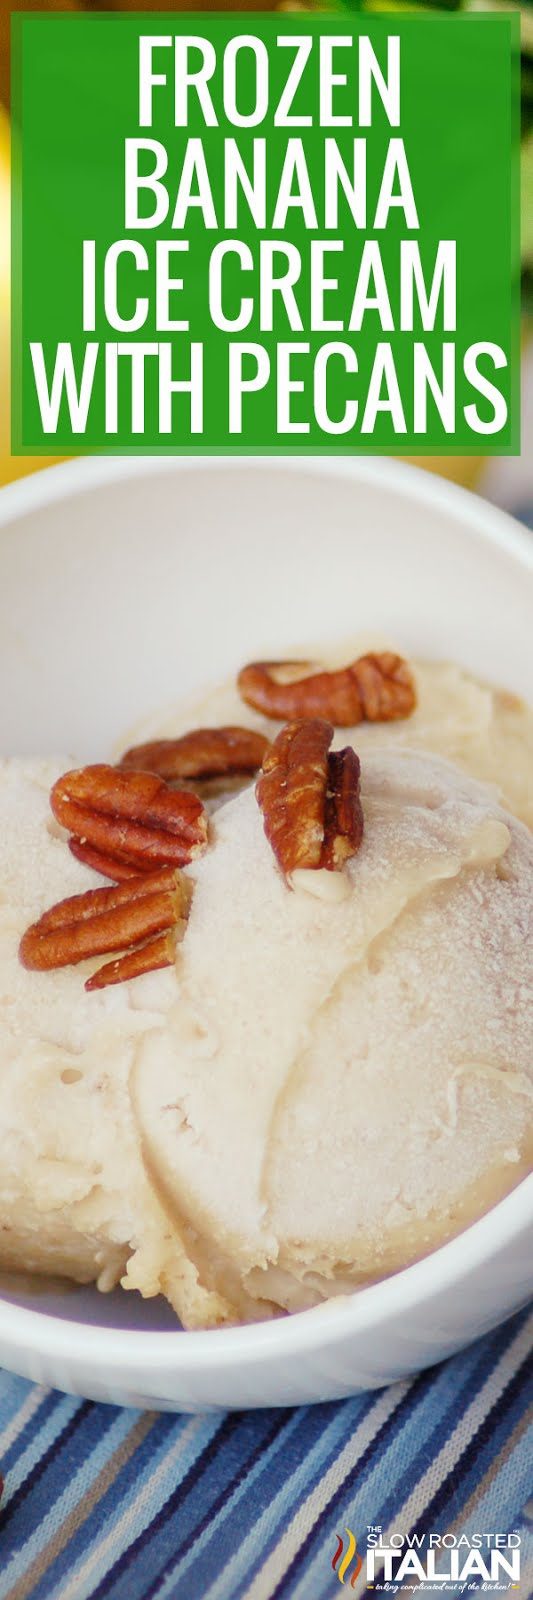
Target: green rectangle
(76, 102)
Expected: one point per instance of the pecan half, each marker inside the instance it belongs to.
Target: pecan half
(106, 865)
(375, 688)
(103, 921)
(131, 817)
(343, 818)
(309, 798)
(202, 753)
(148, 957)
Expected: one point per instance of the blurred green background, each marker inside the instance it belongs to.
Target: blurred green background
(466, 469)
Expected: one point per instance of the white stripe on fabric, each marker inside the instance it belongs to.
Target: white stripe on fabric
(115, 1541)
(453, 1447)
(79, 1483)
(280, 1559)
(228, 1579)
(39, 1443)
(24, 1414)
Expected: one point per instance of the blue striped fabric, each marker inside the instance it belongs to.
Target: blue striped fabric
(128, 1505)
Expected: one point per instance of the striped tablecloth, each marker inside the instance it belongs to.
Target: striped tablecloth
(100, 1501)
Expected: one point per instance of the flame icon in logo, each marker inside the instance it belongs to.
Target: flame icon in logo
(347, 1558)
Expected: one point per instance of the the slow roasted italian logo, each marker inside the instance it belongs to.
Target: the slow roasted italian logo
(346, 1557)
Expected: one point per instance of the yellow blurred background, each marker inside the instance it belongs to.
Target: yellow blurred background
(10, 466)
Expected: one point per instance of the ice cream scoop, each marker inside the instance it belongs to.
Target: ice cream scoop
(75, 1198)
(344, 1082)
(334, 1078)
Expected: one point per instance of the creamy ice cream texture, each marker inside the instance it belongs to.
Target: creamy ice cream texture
(486, 732)
(345, 1081)
(74, 1195)
(336, 1078)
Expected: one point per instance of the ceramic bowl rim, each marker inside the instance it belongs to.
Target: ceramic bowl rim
(369, 1308)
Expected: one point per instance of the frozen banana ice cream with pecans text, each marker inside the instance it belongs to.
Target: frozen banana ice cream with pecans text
(266, 987)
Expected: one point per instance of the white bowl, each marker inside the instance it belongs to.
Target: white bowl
(127, 583)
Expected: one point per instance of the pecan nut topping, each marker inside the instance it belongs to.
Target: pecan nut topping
(106, 865)
(202, 753)
(343, 821)
(375, 688)
(103, 921)
(130, 818)
(148, 957)
(309, 798)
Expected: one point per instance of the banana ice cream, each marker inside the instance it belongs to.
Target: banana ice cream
(487, 732)
(337, 1074)
(345, 1080)
(75, 1198)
